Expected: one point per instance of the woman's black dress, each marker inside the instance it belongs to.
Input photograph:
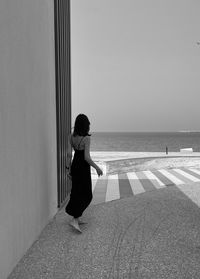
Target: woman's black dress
(81, 192)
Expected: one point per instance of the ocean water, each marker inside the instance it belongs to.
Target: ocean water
(145, 141)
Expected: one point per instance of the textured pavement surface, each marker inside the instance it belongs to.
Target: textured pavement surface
(155, 234)
(121, 185)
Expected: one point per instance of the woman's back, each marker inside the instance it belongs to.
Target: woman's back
(77, 142)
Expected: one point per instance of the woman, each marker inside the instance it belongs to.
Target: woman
(81, 192)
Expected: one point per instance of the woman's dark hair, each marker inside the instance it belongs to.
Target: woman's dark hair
(81, 126)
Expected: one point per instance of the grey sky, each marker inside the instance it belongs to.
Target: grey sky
(136, 64)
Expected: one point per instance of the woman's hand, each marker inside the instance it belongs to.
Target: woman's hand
(99, 171)
(68, 169)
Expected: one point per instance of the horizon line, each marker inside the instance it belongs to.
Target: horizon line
(180, 131)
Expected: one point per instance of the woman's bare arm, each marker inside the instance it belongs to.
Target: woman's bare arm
(87, 155)
(69, 153)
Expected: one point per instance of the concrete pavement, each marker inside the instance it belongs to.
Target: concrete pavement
(153, 235)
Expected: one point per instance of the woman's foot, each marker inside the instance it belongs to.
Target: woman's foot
(75, 224)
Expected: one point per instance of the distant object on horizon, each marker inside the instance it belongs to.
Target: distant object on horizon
(188, 131)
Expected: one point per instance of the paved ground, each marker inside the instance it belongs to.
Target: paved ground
(121, 185)
(154, 235)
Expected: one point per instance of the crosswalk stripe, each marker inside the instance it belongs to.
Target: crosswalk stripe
(94, 181)
(146, 183)
(191, 172)
(172, 177)
(154, 179)
(113, 187)
(136, 185)
(187, 175)
(99, 192)
(183, 178)
(124, 186)
(192, 191)
(195, 171)
(163, 178)
(112, 192)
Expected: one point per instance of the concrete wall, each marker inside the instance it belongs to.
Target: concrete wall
(28, 170)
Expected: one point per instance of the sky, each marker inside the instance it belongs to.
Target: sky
(135, 64)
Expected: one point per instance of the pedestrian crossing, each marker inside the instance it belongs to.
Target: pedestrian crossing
(117, 186)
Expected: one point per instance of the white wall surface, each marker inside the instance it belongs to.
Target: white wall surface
(28, 170)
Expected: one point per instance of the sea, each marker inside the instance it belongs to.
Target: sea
(145, 141)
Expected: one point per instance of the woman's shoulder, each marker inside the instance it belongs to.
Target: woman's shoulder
(86, 138)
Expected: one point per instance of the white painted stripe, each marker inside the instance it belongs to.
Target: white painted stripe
(172, 177)
(94, 181)
(192, 191)
(154, 179)
(189, 176)
(135, 183)
(195, 170)
(112, 192)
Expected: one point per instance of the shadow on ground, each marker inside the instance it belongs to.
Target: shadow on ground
(153, 235)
